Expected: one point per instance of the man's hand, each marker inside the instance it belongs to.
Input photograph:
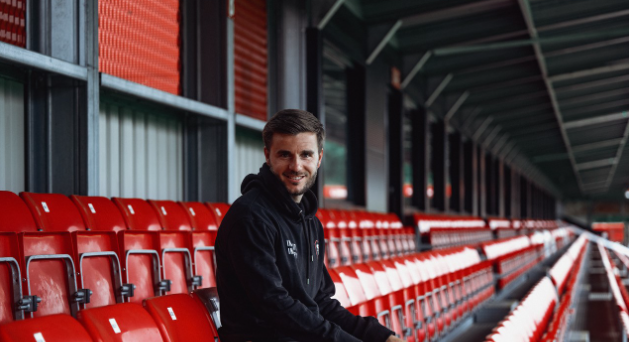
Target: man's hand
(393, 338)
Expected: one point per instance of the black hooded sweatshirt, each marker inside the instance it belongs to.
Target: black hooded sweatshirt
(272, 283)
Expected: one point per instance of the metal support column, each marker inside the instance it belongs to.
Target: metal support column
(439, 169)
(356, 180)
(396, 153)
(470, 172)
(421, 165)
(456, 172)
(314, 91)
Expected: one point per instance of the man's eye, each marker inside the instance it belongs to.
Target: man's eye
(306, 155)
(284, 155)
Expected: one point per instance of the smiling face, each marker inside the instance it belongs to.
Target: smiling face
(294, 159)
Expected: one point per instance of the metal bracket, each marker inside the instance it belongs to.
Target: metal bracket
(196, 281)
(28, 304)
(387, 318)
(82, 296)
(126, 290)
(163, 286)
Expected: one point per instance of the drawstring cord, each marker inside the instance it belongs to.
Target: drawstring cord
(307, 226)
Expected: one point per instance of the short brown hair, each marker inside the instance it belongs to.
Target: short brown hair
(293, 122)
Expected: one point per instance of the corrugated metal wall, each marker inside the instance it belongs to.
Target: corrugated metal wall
(141, 153)
(250, 58)
(249, 153)
(12, 167)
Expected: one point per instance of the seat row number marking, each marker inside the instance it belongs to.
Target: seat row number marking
(114, 325)
(131, 209)
(91, 208)
(192, 212)
(45, 206)
(39, 337)
(164, 211)
(172, 314)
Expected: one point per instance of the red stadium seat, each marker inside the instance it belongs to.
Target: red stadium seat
(341, 293)
(99, 213)
(53, 212)
(220, 209)
(54, 328)
(142, 264)
(176, 261)
(201, 217)
(14, 214)
(126, 322)
(179, 317)
(50, 273)
(172, 215)
(204, 257)
(205, 227)
(99, 269)
(138, 214)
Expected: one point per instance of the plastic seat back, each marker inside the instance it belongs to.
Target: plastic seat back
(204, 257)
(172, 215)
(352, 285)
(98, 266)
(202, 218)
(176, 260)
(126, 322)
(138, 214)
(53, 212)
(10, 278)
(99, 213)
(14, 214)
(141, 263)
(50, 272)
(209, 298)
(180, 317)
(220, 209)
(341, 292)
(54, 328)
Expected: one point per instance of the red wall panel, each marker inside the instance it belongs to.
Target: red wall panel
(250, 58)
(139, 41)
(12, 21)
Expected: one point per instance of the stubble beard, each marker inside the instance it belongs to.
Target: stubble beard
(309, 183)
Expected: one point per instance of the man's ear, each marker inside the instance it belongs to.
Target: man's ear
(320, 158)
(266, 154)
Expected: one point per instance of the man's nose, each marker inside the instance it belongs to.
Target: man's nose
(296, 164)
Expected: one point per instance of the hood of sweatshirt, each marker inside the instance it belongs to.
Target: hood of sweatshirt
(267, 180)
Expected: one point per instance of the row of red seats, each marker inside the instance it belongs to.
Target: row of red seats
(565, 274)
(451, 237)
(32, 212)
(512, 257)
(104, 276)
(535, 318)
(618, 290)
(354, 237)
(419, 296)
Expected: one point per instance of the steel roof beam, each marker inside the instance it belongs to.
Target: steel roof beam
(589, 72)
(455, 12)
(482, 129)
(330, 13)
(595, 120)
(385, 40)
(586, 47)
(491, 136)
(595, 96)
(596, 164)
(530, 24)
(447, 51)
(418, 66)
(457, 105)
(596, 145)
(581, 21)
(593, 84)
(440, 88)
(621, 149)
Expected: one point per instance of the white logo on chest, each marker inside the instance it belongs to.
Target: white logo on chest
(292, 248)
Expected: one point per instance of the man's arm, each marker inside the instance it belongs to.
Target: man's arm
(366, 328)
(251, 251)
